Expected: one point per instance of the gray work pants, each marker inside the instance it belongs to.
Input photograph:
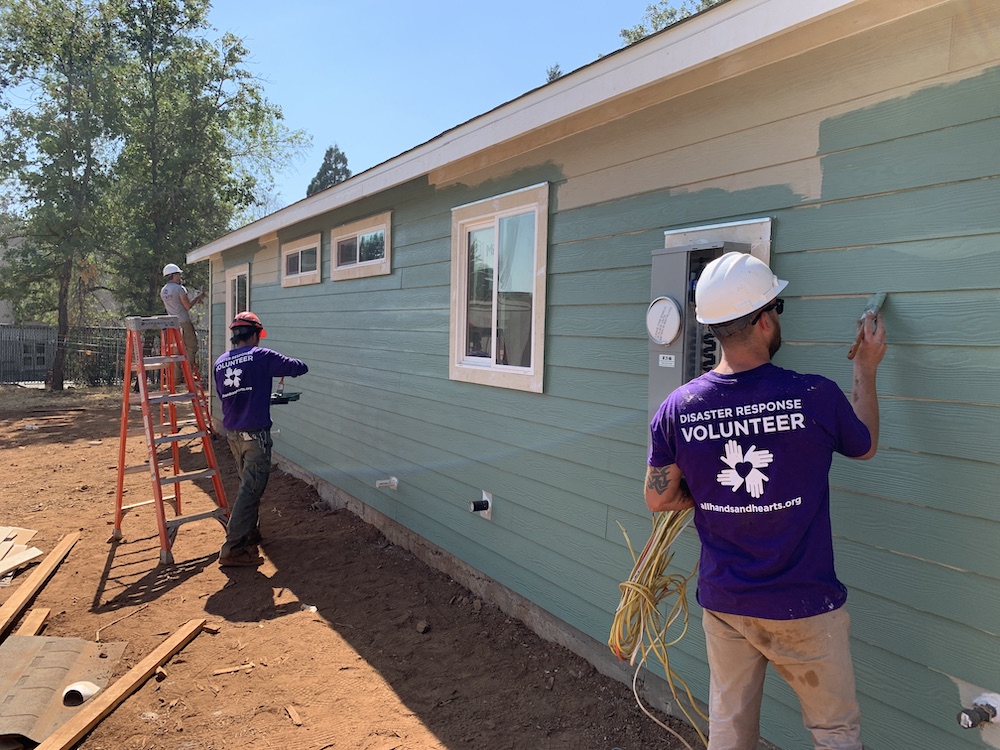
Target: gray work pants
(252, 451)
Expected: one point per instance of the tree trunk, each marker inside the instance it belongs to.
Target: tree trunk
(57, 378)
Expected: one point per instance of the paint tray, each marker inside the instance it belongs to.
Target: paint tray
(283, 397)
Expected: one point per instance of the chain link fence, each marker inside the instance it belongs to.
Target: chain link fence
(94, 356)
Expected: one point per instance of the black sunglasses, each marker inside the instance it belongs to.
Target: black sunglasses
(778, 304)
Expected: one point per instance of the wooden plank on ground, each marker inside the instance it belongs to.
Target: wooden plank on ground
(5, 548)
(23, 536)
(12, 608)
(16, 560)
(34, 622)
(107, 700)
(5, 531)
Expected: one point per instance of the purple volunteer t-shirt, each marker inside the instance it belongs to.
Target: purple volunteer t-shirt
(755, 448)
(243, 382)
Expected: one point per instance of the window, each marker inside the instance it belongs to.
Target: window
(300, 261)
(237, 292)
(498, 254)
(362, 248)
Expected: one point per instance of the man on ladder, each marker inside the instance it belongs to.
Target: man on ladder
(243, 381)
(178, 303)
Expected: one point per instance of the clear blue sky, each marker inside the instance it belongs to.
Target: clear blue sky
(378, 78)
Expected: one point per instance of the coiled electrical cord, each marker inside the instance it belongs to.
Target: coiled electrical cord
(639, 625)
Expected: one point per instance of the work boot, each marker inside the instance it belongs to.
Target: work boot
(241, 558)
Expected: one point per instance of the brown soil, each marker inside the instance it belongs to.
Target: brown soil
(395, 655)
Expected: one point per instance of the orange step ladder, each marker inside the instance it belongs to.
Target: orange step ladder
(163, 431)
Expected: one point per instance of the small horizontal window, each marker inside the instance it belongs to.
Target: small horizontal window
(362, 248)
(300, 261)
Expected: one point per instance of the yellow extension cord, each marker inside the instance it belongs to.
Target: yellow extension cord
(639, 627)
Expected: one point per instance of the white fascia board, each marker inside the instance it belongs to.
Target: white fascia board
(723, 30)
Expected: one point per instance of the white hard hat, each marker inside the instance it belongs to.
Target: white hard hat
(733, 286)
(171, 268)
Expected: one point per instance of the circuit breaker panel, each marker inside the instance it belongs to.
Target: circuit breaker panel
(680, 348)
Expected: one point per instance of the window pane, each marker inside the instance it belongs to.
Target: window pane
(238, 298)
(307, 262)
(347, 252)
(515, 270)
(372, 246)
(479, 312)
(292, 264)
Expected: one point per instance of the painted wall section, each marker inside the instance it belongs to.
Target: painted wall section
(876, 158)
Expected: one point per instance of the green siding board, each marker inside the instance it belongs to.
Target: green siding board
(885, 683)
(953, 373)
(619, 321)
(939, 482)
(944, 318)
(967, 597)
(605, 388)
(604, 253)
(420, 254)
(957, 153)
(940, 263)
(558, 418)
(487, 471)
(572, 444)
(930, 641)
(621, 286)
(957, 430)
(924, 533)
(931, 108)
(352, 295)
(957, 209)
(663, 209)
(427, 275)
(617, 355)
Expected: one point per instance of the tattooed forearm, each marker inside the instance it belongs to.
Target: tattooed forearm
(657, 479)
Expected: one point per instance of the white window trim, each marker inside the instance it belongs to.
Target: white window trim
(379, 267)
(297, 246)
(231, 274)
(534, 198)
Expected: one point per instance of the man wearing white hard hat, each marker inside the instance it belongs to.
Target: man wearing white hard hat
(178, 303)
(749, 446)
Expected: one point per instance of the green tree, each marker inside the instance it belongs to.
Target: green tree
(332, 171)
(552, 73)
(56, 135)
(200, 143)
(662, 14)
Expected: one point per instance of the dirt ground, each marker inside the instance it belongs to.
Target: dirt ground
(342, 639)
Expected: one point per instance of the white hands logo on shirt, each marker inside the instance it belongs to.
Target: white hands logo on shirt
(744, 468)
(233, 377)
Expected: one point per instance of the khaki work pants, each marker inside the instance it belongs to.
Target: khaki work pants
(812, 654)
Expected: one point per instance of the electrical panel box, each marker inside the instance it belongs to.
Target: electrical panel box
(680, 348)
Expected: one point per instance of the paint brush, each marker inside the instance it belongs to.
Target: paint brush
(874, 304)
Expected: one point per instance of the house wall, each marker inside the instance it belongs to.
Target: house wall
(876, 158)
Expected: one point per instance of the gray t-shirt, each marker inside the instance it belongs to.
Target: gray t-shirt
(171, 296)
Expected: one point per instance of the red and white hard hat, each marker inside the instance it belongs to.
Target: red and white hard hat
(249, 320)
(732, 286)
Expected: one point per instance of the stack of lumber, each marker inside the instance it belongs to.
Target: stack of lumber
(14, 550)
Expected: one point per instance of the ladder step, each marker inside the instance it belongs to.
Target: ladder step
(219, 513)
(169, 499)
(158, 363)
(139, 468)
(177, 437)
(155, 322)
(163, 397)
(162, 429)
(188, 476)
